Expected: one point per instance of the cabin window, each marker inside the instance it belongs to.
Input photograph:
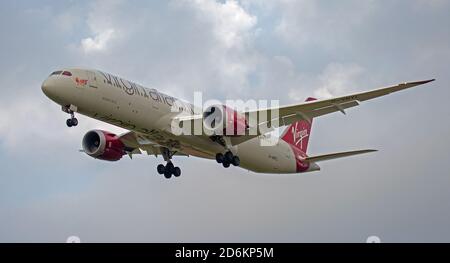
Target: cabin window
(56, 72)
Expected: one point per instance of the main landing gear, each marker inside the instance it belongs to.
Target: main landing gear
(169, 169)
(227, 159)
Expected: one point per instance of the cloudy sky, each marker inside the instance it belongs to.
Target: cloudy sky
(286, 50)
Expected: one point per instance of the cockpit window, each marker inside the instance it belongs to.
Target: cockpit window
(56, 73)
(67, 73)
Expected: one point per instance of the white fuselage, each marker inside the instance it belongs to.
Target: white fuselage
(148, 112)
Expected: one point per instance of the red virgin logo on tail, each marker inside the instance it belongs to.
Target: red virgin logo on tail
(299, 135)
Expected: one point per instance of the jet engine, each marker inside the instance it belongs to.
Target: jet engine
(223, 120)
(103, 145)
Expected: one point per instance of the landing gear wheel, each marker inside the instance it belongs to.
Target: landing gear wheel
(176, 171)
(236, 161)
(168, 170)
(167, 174)
(71, 110)
(226, 164)
(229, 156)
(219, 158)
(169, 166)
(74, 121)
(160, 168)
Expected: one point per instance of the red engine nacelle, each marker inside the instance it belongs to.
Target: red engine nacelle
(103, 145)
(224, 120)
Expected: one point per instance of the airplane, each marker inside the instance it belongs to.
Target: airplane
(148, 115)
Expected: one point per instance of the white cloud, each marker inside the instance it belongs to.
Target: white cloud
(210, 44)
(232, 25)
(337, 79)
(105, 25)
(99, 42)
(234, 29)
(281, 78)
(33, 122)
(325, 25)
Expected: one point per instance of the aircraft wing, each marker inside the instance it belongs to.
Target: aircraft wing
(286, 115)
(308, 110)
(330, 156)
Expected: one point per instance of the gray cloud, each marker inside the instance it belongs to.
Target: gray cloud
(285, 50)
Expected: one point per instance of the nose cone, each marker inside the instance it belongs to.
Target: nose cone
(44, 87)
(49, 88)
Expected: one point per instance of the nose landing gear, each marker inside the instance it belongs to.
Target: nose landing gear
(227, 159)
(72, 122)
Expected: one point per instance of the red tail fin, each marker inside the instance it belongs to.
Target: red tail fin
(297, 133)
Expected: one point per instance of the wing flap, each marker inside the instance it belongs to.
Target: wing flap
(137, 142)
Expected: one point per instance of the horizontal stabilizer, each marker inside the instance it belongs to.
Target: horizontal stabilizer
(331, 156)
